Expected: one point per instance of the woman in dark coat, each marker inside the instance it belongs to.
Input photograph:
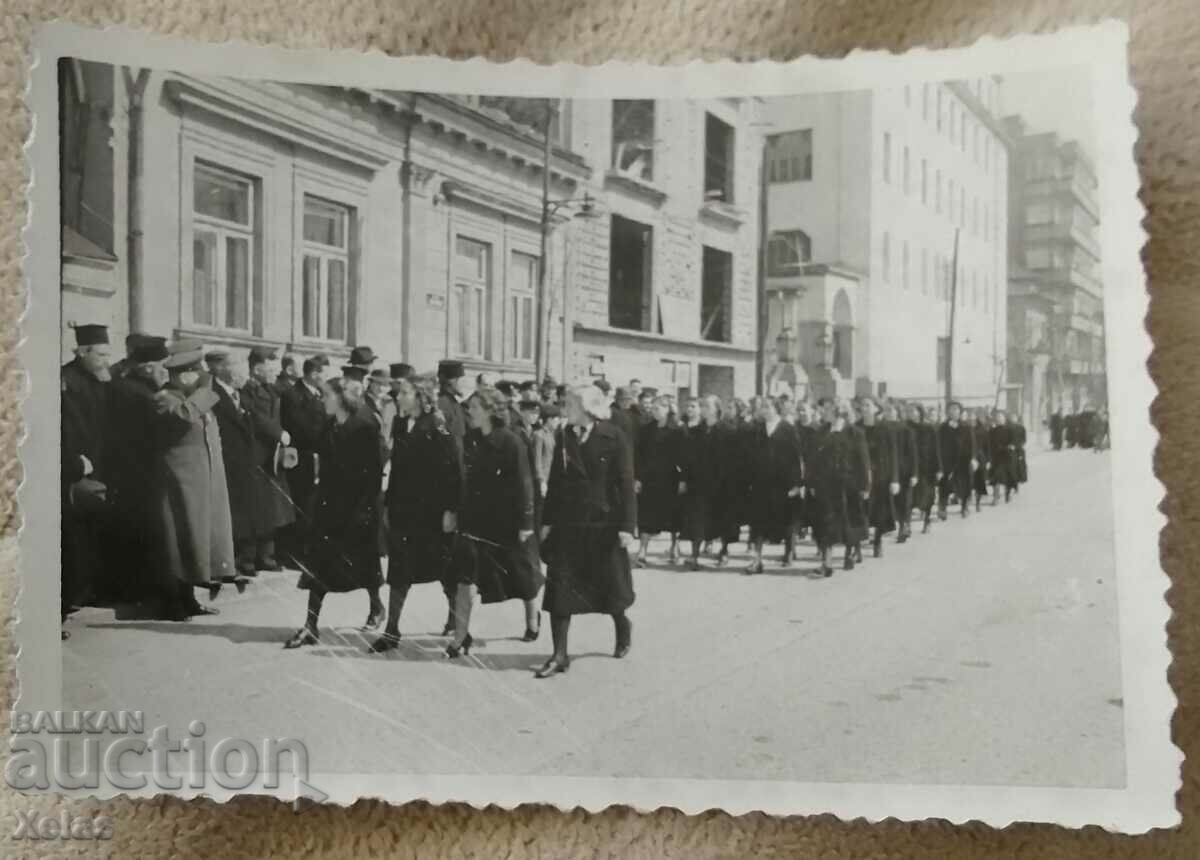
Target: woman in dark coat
(983, 457)
(806, 430)
(657, 473)
(591, 512)
(707, 454)
(929, 463)
(1019, 438)
(834, 480)
(885, 476)
(908, 467)
(424, 496)
(776, 483)
(343, 554)
(499, 551)
(957, 444)
(858, 492)
(1003, 447)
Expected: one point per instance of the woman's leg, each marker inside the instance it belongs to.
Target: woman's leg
(533, 616)
(560, 627)
(464, 600)
(623, 628)
(375, 610)
(316, 598)
(397, 594)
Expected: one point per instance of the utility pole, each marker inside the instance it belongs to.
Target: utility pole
(760, 360)
(541, 348)
(135, 88)
(950, 339)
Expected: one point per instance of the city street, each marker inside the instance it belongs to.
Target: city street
(983, 653)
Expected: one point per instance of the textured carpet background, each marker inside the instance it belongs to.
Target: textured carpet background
(1166, 70)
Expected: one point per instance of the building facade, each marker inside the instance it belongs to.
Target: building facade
(871, 198)
(321, 218)
(1056, 306)
(663, 285)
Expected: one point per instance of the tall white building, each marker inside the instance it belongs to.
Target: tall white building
(866, 193)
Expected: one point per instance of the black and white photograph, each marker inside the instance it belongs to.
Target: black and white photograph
(775, 440)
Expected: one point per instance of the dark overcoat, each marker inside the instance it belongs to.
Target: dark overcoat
(263, 403)
(498, 506)
(805, 437)
(658, 467)
(1019, 437)
(908, 466)
(243, 458)
(453, 413)
(860, 482)
(589, 503)
(710, 452)
(1003, 447)
(191, 501)
(929, 465)
(302, 413)
(84, 424)
(983, 453)
(881, 448)
(957, 444)
(342, 553)
(426, 481)
(831, 482)
(775, 468)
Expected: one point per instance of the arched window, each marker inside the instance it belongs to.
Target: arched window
(787, 251)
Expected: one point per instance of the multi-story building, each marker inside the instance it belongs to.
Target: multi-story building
(872, 196)
(247, 212)
(1055, 303)
(663, 286)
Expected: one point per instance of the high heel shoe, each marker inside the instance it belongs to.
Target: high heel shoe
(453, 651)
(374, 619)
(553, 666)
(303, 636)
(624, 638)
(532, 633)
(753, 568)
(448, 629)
(639, 560)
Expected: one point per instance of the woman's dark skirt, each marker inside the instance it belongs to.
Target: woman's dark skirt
(658, 507)
(881, 508)
(418, 559)
(839, 518)
(924, 494)
(338, 567)
(500, 572)
(772, 516)
(589, 571)
(979, 481)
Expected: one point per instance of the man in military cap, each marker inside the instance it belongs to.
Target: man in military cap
(452, 390)
(130, 544)
(132, 342)
(262, 401)
(86, 399)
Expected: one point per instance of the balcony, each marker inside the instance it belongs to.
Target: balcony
(1068, 231)
(1063, 274)
(1072, 186)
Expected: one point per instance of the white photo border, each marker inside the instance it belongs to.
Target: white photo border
(1152, 760)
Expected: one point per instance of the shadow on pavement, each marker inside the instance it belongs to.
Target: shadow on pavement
(236, 633)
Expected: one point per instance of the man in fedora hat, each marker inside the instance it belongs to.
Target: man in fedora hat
(262, 400)
(452, 390)
(86, 397)
(364, 357)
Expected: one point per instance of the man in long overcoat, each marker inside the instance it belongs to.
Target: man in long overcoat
(452, 386)
(191, 497)
(85, 406)
(262, 401)
(242, 456)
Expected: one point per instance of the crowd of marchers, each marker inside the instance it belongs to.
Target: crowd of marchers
(186, 470)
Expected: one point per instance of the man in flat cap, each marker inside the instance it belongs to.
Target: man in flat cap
(130, 561)
(452, 390)
(190, 499)
(86, 396)
(262, 400)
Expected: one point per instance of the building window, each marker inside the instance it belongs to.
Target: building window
(904, 264)
(943, 358)
(223, 244)
(325, 270)
(907, 96)
(677, 378)
(886, 256)
(924, 182)
(789, 156)
(925, 102)
(953, 121)
(522, 285)
(987, 153)
(633, 138)
(962, 205)
(924, 271)
(787, 251)
(937, 192)
(470, 299)
(962, 132)
(905, 176)
(950, 200)
(975, 216)
(887, 156)
(718, 159)
(939, 107)
(629, 282)
(716, 295)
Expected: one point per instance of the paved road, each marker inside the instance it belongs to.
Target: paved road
(983, 653)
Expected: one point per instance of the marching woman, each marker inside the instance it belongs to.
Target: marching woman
(707, 457)
(498, 550)
(957, 444)
(776, 483)
(983, 455)
(591, 512)
(858, 488)
(1003, 447)
(657, 471)
(344, 551)
(1019, 440)
(831, 486)
(806, 429)
(884, 470)
(929, 463)
(424, 496)
(908, 466)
